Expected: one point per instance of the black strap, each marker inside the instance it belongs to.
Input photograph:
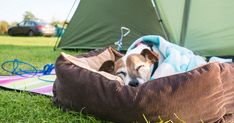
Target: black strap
(154, 68)
(150, 45)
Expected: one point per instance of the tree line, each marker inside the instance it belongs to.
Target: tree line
(4, 25)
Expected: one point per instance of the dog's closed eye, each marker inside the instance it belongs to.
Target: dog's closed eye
(138, 68)
(121, 74)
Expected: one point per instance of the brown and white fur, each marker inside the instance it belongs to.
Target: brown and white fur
(136, 66)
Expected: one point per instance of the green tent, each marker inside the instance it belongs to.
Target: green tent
(204, 26)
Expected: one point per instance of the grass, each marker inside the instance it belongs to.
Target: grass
(28, 108)
(37, 51)
(27, 41)
(25, 107)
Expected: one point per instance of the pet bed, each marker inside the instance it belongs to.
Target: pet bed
(205, 94)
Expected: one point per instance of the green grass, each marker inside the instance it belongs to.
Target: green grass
(27, 41)
(28, 108)
(37, 51)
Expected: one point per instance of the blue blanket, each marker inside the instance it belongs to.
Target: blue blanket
(174, 59)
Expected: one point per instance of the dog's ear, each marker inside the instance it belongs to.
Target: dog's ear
(150, 55)
(117, 54)
(108, 66)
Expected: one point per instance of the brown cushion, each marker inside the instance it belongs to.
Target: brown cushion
(203, 94)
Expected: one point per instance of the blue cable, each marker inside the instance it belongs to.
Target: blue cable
(46, 80)
(47, 69)
(16, 70)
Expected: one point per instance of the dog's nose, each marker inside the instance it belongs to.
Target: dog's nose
(134, 83)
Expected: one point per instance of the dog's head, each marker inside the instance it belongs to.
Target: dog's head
(134, 68)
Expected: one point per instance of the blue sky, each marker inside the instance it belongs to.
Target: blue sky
(47, 10)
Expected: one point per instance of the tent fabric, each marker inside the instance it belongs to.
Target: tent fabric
(210, 26)
(97, 24)
(205, 27)
(171, 12)
(204, 94)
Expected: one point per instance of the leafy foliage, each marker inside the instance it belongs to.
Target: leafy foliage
(29, 16)
(3, 27)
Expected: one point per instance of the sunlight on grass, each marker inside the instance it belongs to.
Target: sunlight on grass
(27, 41)
(37, 51)
(26, 107)
(22, 107)
(160, 120)
(29, 108)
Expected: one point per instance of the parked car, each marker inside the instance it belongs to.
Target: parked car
(32, 28)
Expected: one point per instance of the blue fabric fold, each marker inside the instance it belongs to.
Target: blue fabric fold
(174, 59)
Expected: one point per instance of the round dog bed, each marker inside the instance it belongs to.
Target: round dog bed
(205, 94)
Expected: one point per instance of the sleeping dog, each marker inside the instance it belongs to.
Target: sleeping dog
(152, 57)
(136, 67)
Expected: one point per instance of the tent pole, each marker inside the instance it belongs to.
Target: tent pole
(58, 39)
(159, 18)
(185, 22)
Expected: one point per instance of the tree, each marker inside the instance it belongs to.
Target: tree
(59, 23)
(14, 23)
(56, 22)
(29, 16)
(3, 27)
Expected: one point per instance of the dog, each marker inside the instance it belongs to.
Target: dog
(134, 68)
